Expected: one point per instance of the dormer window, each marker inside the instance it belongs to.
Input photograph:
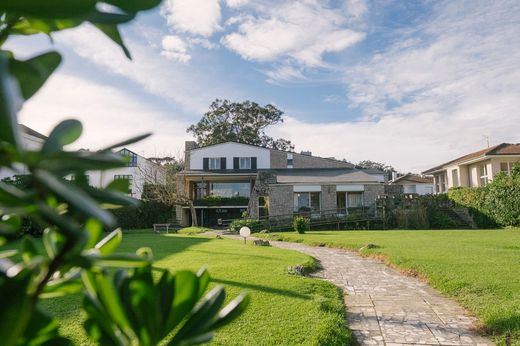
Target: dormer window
(214, 163)
(245, 163)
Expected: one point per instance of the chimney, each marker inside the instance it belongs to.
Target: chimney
(305, 152)
(188, 146)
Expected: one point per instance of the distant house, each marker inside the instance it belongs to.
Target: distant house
(414, 183)
(475, 169)
(239, 178)
(138, 171)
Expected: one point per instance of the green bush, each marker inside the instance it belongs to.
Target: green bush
(301, 224)
(144, 215)
(416, 218)
(502, 199)
(253, 224)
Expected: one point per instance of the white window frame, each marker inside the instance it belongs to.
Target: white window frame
(244, 163)
(510, 166)
(483, 174)
(214, 163)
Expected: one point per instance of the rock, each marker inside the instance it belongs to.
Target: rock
(219, 236)
(261, 242)
(370, 246)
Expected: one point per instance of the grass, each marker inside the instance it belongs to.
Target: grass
(193, 230)
(479, 268)
(284, 309)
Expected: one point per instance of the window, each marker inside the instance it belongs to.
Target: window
(235, 189)
(263, 206)
(307, 201)
(507, 167)
(290, 161)
(409, 188)
(440, 183)
(132, 157)
(127, 177)
(214, 163)
(455, 177)
(483, 175)
(354, 199)
(244, 163)
(341, 202)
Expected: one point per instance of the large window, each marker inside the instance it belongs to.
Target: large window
(409, 188)
(483, 171)
(290, 160)
(238, 189)
(214, 163)
(354, 199)
(507, 167)
(132, 157)
(128, 177)
(244, 163)
(455, 177)
(307, 201)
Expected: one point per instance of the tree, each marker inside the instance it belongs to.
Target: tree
(126, 299)
(367, 164)
(243, 122)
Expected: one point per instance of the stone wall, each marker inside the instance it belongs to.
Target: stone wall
(393, 190)
(180, 214)
(278, 159)
(188, 146)
(372, 191)
(260, 188)
(328, 197)
(281, 200)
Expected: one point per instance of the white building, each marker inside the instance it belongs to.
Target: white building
(413, 183)
(138, 171)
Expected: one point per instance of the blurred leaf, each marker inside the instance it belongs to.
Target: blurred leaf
(110, 243)
(112, 31)
(231, 311)
(42, 330)
(48, 8)
(9, 96)
(118, 261)
(10, 223)
(71, 284)
(64, 133)
(8, 253)
(120, 185)
(108, 295)
(105, 18)
(29, 249)
(127, 142)
(75, 197)
(32, 74)
(71, 162)
(94, 229)
(134, 5)
(186, 290)
(204, 279)
(31, 25)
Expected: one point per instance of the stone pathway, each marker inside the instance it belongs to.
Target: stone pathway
(385, 307)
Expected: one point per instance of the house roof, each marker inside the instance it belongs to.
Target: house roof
(318, 176)
(347, 164)
(413, 178)
(31, 132)
(497, 150)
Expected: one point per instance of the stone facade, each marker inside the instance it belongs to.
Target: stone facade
(279, 161)
(188, 146)
(328, 197)
(393, 189)
(371, 193)
(260, 188)
(281, 200)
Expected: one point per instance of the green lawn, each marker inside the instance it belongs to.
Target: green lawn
(479, 268)
(284, 309)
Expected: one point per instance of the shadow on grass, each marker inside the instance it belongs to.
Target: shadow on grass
(262, 288)
(161, 245)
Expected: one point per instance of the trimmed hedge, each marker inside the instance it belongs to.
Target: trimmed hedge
(253, 224)
(145, 215)
(496, 204)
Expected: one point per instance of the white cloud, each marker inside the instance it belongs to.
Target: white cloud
(108, 115)
(175, 48)
(285, 73)
(203, 42)
(199, 17)
(433, 94)
(236, 3)
(302, 31)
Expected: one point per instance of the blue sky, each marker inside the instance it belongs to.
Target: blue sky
(409, 83)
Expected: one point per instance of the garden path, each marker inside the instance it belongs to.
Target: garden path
(386, 307)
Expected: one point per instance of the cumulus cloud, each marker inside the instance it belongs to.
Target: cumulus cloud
(199, 17)
(108, 114)
(175, 48)
(236, 3)
(302, 31)
(433, 94)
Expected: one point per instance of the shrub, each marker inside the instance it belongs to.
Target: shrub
(144, 215)
(502, 199)
(301, 224)
(415, 218)
(253, 224)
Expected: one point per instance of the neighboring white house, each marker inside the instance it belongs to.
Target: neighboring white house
(138, 171)
(413, 183)
(31, 140)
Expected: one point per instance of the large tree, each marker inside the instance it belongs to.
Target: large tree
(243, 122)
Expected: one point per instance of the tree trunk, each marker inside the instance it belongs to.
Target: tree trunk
(193, 215)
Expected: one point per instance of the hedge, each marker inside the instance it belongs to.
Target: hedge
(496, 204)
(145, 215)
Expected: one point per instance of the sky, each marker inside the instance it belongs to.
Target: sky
(408, 83)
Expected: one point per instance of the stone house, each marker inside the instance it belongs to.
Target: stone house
(227, 179)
